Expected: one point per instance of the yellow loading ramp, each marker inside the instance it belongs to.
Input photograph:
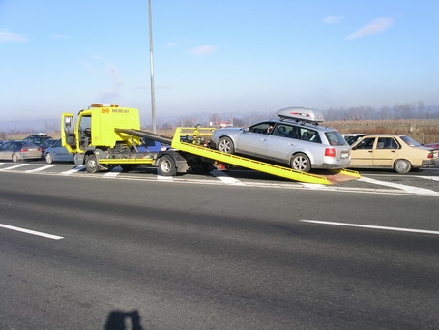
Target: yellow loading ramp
(197, 134)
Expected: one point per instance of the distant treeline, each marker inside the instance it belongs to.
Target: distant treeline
(399, 111)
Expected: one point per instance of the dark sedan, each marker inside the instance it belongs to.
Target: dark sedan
(20, 150)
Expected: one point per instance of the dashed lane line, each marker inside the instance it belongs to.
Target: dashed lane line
(32, 232)
(412, 230)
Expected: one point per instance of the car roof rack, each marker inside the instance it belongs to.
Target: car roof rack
(301, 114)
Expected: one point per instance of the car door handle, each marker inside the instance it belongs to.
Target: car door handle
(291, 144)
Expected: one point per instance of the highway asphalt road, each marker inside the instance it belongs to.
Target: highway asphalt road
(87, 252)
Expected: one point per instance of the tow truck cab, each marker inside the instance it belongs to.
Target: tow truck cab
(95, 127)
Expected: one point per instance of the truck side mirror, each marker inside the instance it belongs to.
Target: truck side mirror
(68, 122)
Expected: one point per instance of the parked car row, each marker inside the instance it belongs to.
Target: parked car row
(20, 150)
(52, 150)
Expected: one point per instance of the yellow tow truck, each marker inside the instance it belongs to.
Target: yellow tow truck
(104, 136)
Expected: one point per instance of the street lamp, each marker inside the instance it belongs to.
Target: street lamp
(151, 64)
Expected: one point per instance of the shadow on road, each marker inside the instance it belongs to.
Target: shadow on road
(119, 320)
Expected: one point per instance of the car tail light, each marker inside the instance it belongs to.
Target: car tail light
(330, 152)
(430, 155)
(24, 150)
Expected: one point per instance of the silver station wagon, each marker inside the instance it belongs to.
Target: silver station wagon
(295, 139)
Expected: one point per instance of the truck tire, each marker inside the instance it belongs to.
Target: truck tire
(91, 163)
(167, 166)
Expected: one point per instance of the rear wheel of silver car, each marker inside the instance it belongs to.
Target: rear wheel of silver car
(225, 144)
(402, 166)
(49, 158)
(301, 162)
(14, 158)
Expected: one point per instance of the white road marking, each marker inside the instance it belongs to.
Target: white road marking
(73, 170)
(33, 232)
(39, 169)
(434, 178)
(314, 186)
(164, 178)
(409, 189)
(13, 166)
(412, 230)
(114, 172)
(225, 178)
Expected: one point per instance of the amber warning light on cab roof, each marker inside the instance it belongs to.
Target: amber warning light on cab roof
(98, 105)
(301, 114)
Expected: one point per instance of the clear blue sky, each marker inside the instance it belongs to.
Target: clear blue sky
(219, 56)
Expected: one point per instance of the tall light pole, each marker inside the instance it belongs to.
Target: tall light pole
(151, 65)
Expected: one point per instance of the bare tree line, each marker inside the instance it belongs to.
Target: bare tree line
(414, 110)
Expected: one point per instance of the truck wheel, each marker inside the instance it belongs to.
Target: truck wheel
(167, 166)
(49, 158)
(91, 164)
(225, 144)
(402, 166)
(300, 162)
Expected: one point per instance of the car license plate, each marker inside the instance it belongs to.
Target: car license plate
(344, 154)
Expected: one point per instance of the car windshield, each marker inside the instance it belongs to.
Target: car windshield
(335, 139)
(410, 142)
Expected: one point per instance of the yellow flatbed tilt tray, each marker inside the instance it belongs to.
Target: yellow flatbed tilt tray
(281, 171)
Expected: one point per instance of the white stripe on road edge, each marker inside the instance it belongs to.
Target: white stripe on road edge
(373, 227)
(33, 232)
(164, 178)
(409, 189)
(434, 178)
(74, 170)
(114, 172)
(225, 178)
(13, 166)
(39, 168)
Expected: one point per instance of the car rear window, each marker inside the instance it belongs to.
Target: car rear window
(410, 141)
(335, 139)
